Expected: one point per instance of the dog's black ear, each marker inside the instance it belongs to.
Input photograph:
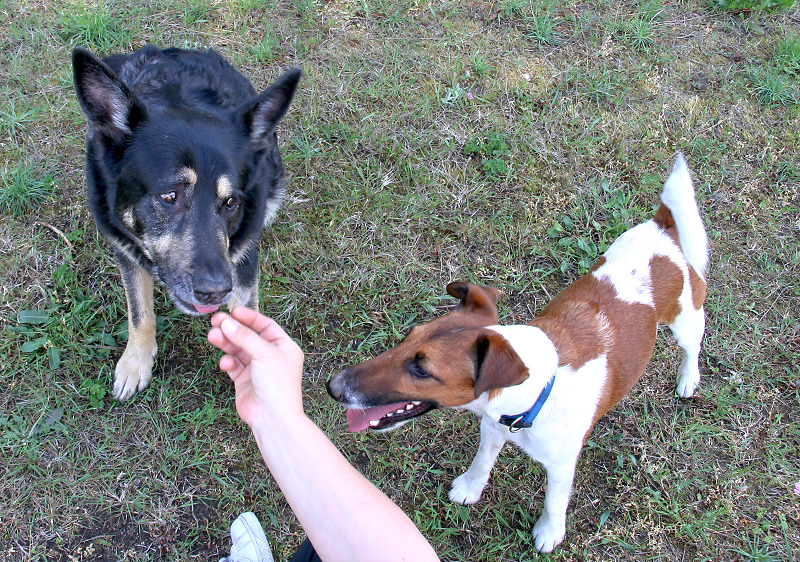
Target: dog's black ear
(474, 297)
(262, 114)
(110, 106)
(497, 365)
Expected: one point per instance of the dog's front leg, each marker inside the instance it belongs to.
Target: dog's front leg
(551, 527)
(467, 488)
(135, 368)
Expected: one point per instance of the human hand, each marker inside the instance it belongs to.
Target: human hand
(264, 363)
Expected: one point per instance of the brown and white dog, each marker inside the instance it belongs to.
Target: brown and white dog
(570, 365)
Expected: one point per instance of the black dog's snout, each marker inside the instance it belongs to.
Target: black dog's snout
(212, 288)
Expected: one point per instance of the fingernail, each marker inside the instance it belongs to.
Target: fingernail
(229, 326)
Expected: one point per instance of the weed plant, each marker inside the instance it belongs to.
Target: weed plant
(23, 188)
(786, 55)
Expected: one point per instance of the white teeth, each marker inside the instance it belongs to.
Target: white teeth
(373, 423)
(390, 414)
(416, 403)
(409, 406)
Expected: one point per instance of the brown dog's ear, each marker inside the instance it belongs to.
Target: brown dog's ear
(473, 297)
(497, 364)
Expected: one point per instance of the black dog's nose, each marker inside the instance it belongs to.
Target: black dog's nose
(210, 288)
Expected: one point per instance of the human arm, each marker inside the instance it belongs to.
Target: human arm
(344, 515)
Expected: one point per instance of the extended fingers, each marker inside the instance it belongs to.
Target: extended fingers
(217, 338)
(267, 328)
(250, 318)
(218, 317)
(245, 342)
(262, 325)
(235, 358)
(247, 335)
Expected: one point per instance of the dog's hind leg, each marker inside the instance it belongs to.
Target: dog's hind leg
(688, 328)
(135, 368)
(467, 488)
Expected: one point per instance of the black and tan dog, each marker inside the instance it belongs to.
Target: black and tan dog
(183, 172)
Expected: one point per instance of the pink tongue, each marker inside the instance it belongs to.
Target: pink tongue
(359, 418)
(206, 308)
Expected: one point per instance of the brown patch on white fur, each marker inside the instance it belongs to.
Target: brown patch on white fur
(632, 327)
(573, 322)
(587, 320)
(698, 286)
(667, 282)
(633, 335)
(666, 221)
(664, 218)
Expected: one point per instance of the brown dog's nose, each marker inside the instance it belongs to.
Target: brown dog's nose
(335, 386)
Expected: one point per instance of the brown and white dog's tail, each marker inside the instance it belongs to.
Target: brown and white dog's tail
(679, 198)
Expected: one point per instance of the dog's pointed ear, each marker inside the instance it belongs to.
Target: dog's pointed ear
(109, 105)
(262, 114)
(475, 298)
(497, 365)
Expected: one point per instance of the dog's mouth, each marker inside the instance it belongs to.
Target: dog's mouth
(386, 417)
(195, 309)
(179, 288)
(192, 308)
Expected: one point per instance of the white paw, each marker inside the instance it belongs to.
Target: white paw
(687, 385)
(466, 490)
(134, 371)
(547, 535)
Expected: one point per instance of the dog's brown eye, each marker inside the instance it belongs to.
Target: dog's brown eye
(416, 368)
(169, 198)
(231, 202)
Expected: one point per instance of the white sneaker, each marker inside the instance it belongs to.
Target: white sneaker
(249, 542)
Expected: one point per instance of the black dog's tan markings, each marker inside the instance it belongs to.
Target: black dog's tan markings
(137, 360)
(183, 172)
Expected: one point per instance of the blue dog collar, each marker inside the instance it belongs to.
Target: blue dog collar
(525, 419)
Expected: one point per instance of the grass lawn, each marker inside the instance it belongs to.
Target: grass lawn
(500, 142)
